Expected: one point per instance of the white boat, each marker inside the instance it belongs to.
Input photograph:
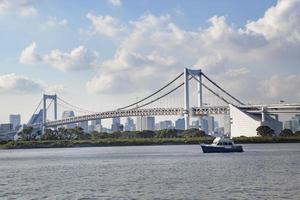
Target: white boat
(221, 145)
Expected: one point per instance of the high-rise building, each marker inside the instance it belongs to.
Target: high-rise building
(84, 125)
(129, 124)
(288, 124)
(96, 125)
(296, 123)
(15, 120)
(167, 124)
(6, 127)
(145, 123)
(116, 124)
(67, 114)
(204, 125)
(210, 123)
(195, 124)
(179, 124)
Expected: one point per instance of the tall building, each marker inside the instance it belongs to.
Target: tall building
(167, 124)
(179, 124)
(195, 124)
(15, 120)
(129, 124)
(96, 125)
(204, 125)
(145, 123)
(296, 123)
(288, 124)
(67, 114)
(227, 124)
(116, 124)
(6, 127)
(210, 124)
(84, 125)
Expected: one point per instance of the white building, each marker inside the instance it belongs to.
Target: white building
(15, 120)
(145, 123)
(245, 124)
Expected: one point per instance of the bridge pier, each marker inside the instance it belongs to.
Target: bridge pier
(197, 74)
(45, 98)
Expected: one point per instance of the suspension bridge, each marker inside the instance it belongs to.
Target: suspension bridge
(147, 106)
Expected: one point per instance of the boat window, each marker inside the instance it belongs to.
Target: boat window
(230, 143)
(220, 143)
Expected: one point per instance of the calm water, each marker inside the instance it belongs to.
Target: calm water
(264, 171)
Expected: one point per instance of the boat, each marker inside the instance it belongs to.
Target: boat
(221, 145)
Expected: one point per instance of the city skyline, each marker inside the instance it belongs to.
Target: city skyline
(93, 47)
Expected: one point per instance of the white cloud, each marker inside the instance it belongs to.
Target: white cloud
(54, 22)
(155, 48)
(279, 22)
(21, 7)
(79, 58)
(115, 2)
(279, 87)
(29, 55)
(106, 25)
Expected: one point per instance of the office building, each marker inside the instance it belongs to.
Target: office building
(167, 124)
(296, 123)
(84, 125)
(179, 124)
(288, 125)
(15, 120)
(6, 127)
(129, 124)
(67, 114)
(116, 124)
(145, 123)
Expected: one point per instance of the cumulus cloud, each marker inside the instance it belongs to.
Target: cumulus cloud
(115, 2)
(21, 7)
(281, 87)
(79, 58)
(106, 25)
(12, 83)
(29, 55)
(239, 58)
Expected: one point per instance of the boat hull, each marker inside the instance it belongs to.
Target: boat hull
(221, 149)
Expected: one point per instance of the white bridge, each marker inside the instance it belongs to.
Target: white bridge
(234, 107)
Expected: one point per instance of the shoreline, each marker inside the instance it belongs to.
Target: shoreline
(137, 142)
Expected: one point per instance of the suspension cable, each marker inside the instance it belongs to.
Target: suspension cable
(76, 107)
(151, 94)
(206, 87)
(214, 83)
(158, 97)
(161, 96)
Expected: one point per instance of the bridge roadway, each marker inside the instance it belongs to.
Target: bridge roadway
(141, 112)
(195, 111)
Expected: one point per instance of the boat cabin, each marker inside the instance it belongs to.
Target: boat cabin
(222, 141)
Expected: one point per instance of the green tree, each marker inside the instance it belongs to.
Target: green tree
(50, 135)
(297, 133)
(166, 133)
(26, 133)
(286, 133)
(194, 132)
(264, 131)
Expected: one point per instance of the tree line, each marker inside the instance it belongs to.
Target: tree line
(78, 133)
(266, 131)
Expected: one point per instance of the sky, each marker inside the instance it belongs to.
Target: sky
(103, 54)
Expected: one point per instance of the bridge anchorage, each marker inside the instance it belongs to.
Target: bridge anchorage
(259, 114)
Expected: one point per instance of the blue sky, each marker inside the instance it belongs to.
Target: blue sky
(100, 54)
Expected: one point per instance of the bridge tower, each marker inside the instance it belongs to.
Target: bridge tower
(45, 98)
(198, 75)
